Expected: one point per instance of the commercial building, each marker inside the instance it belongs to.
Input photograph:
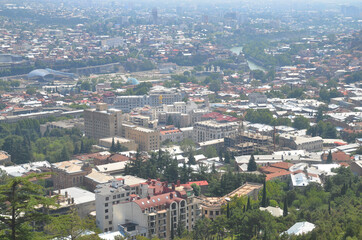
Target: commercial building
(102, 122)
(147, 139)
(210, 130)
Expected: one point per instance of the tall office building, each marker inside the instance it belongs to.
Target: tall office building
(102, 122)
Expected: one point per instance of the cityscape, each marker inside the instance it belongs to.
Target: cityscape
(203, 120)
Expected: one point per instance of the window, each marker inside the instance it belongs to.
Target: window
(110, 222)
(216, 212)
(205, 211)
(106, 211)
(107, 198)
(211, 213)
(106, 217)
(119, 196)
(106, 204)
(110, 229)
(114, 196)
(106, 229)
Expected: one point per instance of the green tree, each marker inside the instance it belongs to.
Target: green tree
(263, 201)
(76, 149)
(252, 164)
(227, 158)
(70, 226)
(196, 188)
(64, 155)
(329, 157)
(19, 200)
(192, 160)
(248, 205)
(210, 152)
(301, 122)
(113, 146)
(285, 208)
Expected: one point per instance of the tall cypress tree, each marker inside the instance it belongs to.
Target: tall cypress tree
(263, 201)
(64, 155)
(329, 157)
(113, 147)
(82, 150)
(76, 148)
(285, 208)
(252, 164)
(248, 205)
(118, 147)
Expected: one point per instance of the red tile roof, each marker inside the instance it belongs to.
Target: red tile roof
(276, 174)
(157, 201)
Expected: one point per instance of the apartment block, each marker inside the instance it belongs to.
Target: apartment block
(153, 215)
(115, 192)
(157, 96)
(102, 122)
(147, 139)
(210, 130)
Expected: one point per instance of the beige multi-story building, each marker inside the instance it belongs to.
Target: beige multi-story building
(310, 144)
(147, 139)
(69, 173)
(212, 206)
(102, 122)
(210, 130)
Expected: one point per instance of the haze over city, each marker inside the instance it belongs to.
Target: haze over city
(180, 119)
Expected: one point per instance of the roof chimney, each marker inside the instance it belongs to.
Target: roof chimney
(173, 187)
(66, 194)
(171, 195)
(148, 197)
(178, 183)
(68, 200)
(72, 200)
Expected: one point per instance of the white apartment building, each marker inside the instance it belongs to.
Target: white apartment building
(115, 192)
(153, 216)
(210, 130)
(157, 96)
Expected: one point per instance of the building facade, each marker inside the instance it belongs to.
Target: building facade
(147, 139)
(210, 130)
(102, 122)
